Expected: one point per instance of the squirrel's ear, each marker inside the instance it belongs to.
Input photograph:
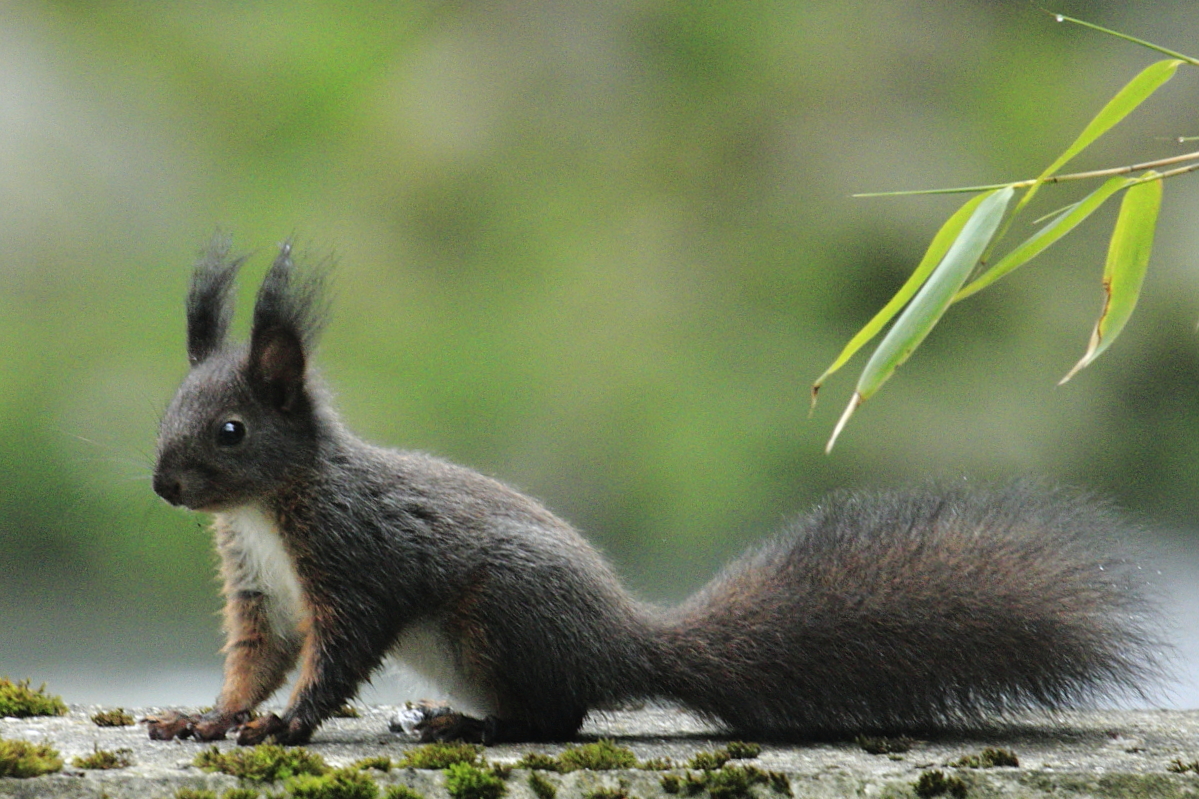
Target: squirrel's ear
(287, 316)
(276, 369)
(210, 299)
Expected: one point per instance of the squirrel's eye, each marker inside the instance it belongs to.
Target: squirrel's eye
(230, 433)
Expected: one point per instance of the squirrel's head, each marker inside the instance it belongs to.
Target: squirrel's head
(245, 418)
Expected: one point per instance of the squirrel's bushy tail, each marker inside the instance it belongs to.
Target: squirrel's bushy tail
(917, 610)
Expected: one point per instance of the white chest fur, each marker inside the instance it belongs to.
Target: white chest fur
(261, 563)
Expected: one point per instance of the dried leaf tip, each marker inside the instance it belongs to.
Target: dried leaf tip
(854, 402)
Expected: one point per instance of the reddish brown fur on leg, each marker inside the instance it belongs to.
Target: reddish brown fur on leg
(256, 663)
(256, 658)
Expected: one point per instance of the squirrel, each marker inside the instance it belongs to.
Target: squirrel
(904, 611)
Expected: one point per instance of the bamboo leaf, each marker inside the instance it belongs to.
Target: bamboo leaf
(932, 256)
(1133, 94)
(1126, 100)
(1059, 226)
(929, 304)
(1124, 271)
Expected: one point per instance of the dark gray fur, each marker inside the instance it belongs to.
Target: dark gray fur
(209, 301)
(890, 612)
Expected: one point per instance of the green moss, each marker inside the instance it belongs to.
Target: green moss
(541, 787)
(538, 761)
(19, 700)
(988, 758)
(342, 783)
(734, 783)
(194, 793)
(734, 750)
(729, 782)
(401, 792)
(936, 783)
(708, 761)
(656, 764)
(104, 759)
(440, 755)
(1178, 767)
(883, 746)
(610, 793)
(602, 755)
(112, 718)
(380, 763)
(464, 781)
(24, 759)
(262, 763)
(740, 750)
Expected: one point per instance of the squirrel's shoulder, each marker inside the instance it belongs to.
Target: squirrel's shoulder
(412, 477)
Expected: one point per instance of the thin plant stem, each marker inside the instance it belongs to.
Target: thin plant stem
(1157, 47)
(1021, 184)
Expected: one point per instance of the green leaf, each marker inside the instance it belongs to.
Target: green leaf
(932, 256)
(1127, 260)
(929, 304)
(1133, 94)
(1059, 226)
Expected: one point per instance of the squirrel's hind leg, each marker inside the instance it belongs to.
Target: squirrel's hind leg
(444, 724)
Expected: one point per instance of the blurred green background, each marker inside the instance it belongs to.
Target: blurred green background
(598, 250)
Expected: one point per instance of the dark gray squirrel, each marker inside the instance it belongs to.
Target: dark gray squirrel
(908, 611)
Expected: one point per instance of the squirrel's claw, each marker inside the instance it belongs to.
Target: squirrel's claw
(271, 726)
(258, 730)
(213, 725)
(170, 724)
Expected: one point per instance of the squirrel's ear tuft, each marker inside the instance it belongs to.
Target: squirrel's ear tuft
(210, 299)
(288, 315)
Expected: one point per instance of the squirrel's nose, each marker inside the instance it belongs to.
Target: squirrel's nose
(169, 488)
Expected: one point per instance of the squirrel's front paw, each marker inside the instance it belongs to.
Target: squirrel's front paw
(258, 730)
(213, 725)
(170, 724)
(271, 726)
(210, 726)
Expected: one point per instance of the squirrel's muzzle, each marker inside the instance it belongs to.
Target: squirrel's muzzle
(169, 488)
